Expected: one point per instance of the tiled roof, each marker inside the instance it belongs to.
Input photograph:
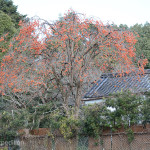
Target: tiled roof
(111, 83)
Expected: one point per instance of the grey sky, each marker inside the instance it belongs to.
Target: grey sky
(118, 11)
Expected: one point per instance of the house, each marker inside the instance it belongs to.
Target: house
(113, 83)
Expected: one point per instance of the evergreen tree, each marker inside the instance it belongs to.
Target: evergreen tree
(6, 27)
(143, 44)
(10, 9)
(9, 19)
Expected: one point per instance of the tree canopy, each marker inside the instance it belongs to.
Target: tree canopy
(9, 20)
(143, 44)
(7, 29)
(55, 61)
(10, 9)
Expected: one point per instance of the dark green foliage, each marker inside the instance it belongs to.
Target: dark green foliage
(7, 132)
(123, 27)
(6, 27)
(13, 120)
(143, 44)
(126, 109)
(42, 115)
(10, 9)
(6, 24)
(130, 135)
(94, 120)
(68, 126)
(9, 20)
(146, 109)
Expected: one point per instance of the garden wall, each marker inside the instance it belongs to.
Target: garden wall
(115, 141)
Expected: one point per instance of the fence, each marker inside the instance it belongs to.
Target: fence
(106, 142)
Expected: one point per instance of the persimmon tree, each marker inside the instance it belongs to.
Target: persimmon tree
(49, 60)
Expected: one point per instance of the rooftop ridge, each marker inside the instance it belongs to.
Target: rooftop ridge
(112, 75)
